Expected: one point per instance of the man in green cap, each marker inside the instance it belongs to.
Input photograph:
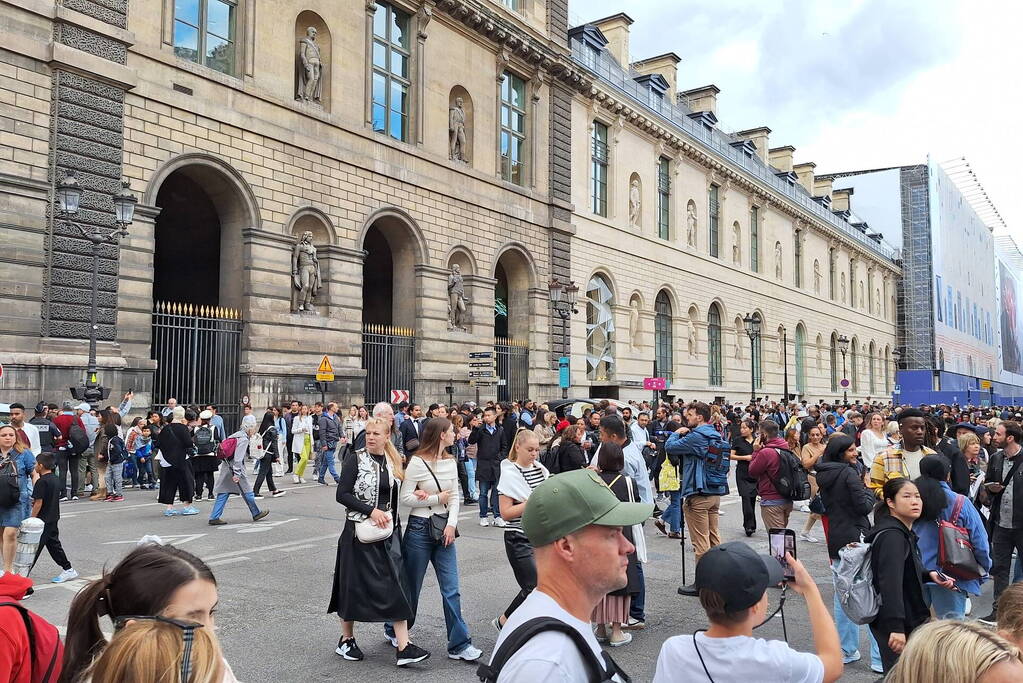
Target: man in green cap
(575, 523)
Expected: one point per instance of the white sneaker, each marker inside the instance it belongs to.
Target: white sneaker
(301, 480)
(468, 653)
(278, 493)
(804, 507)
(294, 479)
(88, 488)
(393, 640)
(500, 522)
(66, 575)
(484, 521)
(809, 539)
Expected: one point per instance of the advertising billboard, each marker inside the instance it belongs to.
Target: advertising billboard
(1011, 320)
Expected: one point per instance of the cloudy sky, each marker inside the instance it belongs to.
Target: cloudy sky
(855, 84)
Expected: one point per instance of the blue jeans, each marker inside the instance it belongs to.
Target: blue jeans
(638, 604)
(327, 463)
(1017, 574)
(145, 471)
(470, 473)
(488, 499)
(849, 636)
(418, 551)
(672, 515)
(947, 604)
(221, 502)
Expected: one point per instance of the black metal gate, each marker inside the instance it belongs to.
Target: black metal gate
(512, 369)
(197, 351)
(387, 358)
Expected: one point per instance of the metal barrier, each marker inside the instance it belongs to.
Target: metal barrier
(512, 367)
(197, 351)
(388, 353)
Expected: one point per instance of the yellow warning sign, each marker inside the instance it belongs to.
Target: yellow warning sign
(325, 373)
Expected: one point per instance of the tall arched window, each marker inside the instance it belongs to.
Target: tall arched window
(757, 355)
(714, 364)
(800, 359)
(663, 351)
(834, 361)
(600, 329)
(870, 368)
(854, 357)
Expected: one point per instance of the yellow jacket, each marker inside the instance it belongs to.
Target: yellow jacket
(889, 464)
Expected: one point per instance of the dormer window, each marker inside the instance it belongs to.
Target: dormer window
(656, 86)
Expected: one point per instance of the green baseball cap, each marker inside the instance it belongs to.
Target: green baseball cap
(567, 502)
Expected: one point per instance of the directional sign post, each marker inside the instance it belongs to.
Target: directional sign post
(399, 396)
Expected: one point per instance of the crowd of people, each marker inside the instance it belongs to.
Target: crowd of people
(572, 495)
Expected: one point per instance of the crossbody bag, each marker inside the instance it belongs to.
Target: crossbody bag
(438, 522)
(368, 532)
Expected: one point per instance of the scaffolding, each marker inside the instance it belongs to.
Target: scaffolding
(915, 307)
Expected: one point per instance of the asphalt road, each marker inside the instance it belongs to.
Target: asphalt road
(274, 579)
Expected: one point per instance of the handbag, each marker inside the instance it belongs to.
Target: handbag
(438, 522)
(368, 532)
(955, 550)
(668, 480)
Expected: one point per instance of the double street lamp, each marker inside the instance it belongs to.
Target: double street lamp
(752, 324)
(563, 298)
(843, 346)
(69, 197)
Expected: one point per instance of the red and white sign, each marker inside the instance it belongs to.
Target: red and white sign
(1, 369)
(655, 383)
(399, 395)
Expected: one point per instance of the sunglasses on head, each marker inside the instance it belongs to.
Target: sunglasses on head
(187, 636)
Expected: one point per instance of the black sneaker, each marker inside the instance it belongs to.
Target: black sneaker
(990, 620)
(411, 654)
(690, 591)
(349, 650)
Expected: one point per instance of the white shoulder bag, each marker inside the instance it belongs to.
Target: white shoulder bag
(368, 532)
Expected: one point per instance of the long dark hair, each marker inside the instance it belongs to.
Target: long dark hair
(934, 469)
(268, 421)
(890, 490)
(433, 430)
(838, 444)
(141, 584)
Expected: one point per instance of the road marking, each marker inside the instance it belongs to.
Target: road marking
(168, 540)
(255, 527)
(298, 547)
(275, 546)
(226, 560)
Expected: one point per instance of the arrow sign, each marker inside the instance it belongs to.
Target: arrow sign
(481, 373)
(481, 364)
(325, 371)
(481, 354)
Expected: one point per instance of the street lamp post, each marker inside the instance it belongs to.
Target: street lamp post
(752, 324)
(563, 298)
(785, 362)
(69, 195)
(843, 346)
(896, 356)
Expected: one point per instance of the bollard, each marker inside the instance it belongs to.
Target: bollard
(29, 534)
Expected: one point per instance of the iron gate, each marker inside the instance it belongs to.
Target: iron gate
(512, 368)
(197, 351)
(387, 357)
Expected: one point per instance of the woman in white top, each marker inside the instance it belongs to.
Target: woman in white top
(302, 441)
(521, 472)
(430, 489)
(873, 439)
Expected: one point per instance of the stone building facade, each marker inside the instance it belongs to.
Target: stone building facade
(682, 230)
(407, 136)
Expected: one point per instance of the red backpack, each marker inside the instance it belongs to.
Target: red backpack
(225, 450)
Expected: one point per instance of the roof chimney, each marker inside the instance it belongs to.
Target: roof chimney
(665, 65)
(840, 199)
(704, 98)
(822, 188)
(759, 137)
(804, 172)
(616, 29)
(781, 157)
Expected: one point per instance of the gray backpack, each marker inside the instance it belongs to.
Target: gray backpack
(854, 582)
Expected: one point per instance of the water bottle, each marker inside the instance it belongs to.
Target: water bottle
(29, 534)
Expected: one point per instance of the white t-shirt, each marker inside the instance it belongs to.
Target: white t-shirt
(739, 658)
(550, 657)
(912, 459)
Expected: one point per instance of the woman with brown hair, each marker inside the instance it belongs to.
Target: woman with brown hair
(16, 458)
(809, 454)
(369, 582)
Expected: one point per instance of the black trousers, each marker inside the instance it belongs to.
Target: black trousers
(463, 480)
(291, 456)
(203, 478)
(748, 498)
(51, 541)
(523, 564)
(67, 463)
(179, 480)
(265, 474)
(1003, 541)
(888, 658)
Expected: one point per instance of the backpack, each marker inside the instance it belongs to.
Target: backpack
(792, 482)
(32, 643)
(596, 670)
(549, 458)
(78, 438)
(202, 437)
(10, 483)
(225, 449)
(854, 582)
(717, 462)
(116, 453)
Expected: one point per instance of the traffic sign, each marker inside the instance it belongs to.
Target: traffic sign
(481, 383)
(564, 376)
(399, 395)
(481, 373)
(481, 363)
(844, 383)
(325, 372)
(481, 354)
(1, 370)
(310, 387)
(655, 383)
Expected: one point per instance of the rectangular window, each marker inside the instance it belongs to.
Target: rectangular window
(511, 4)
(949, 304)
(513, 128)
(204, 33)
(391, 85)
(941, 304)
(598, 183)
(655, 99)
(754, 239)
(797, 267)
(712, 220)
(663, 199)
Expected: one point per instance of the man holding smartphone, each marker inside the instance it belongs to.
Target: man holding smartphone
(1004, 488)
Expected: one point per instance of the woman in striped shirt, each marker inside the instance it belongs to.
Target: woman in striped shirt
(520, 474)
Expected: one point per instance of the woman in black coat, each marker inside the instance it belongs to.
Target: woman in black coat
(176, 476)
(268, 434)
(846, 499)
(570, 453)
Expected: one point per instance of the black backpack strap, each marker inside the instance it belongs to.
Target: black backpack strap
(595, 669)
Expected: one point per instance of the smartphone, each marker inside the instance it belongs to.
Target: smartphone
(783, 541)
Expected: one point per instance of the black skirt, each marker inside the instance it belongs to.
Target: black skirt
(366, 576)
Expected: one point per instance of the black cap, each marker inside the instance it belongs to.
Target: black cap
(40, 408)
(738, 574)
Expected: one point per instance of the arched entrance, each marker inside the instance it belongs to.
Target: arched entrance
(514, 275)
(198, 282)
(394, 247)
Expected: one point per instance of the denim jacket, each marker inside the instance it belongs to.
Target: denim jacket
(692, 449)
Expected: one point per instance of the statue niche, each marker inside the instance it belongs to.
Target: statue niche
(460, 120)
(312, 60)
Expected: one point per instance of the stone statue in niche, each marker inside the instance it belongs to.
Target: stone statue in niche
(739, 334)
(456, 131)
(458, 305)
(862, 300)
(877, 301)
(816, 277)
(305, 272)
(310, 69)
(777, 260)
(692, 339)
(781, 349)
(843, 288)
(634, 330)
(634, 203)
(736, 237)
(691, 226)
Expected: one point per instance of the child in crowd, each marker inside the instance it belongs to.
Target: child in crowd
(114, 456)
(46, 506)
(144, 457)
